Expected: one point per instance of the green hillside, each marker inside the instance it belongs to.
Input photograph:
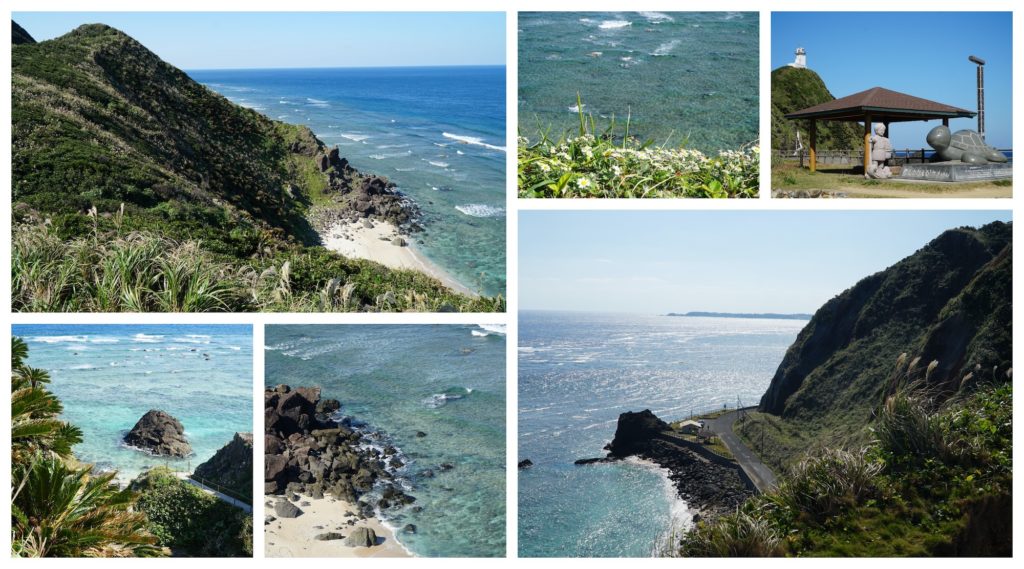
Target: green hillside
(113, 146)
(949, 302)
(794, 89)
(889, 422)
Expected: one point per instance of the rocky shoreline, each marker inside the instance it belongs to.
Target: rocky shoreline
(709, 488)
(354, 195)
(314, 452)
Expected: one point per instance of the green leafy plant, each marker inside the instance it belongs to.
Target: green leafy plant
(591, 164)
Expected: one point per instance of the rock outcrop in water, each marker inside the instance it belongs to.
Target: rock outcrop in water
(159, 433)
(307, 452)
(231, 467)
(708, 483)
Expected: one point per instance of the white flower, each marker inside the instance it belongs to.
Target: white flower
(583, 182)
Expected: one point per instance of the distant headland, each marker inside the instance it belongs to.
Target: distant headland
(763, 316)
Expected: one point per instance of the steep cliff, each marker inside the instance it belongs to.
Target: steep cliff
(950, 302)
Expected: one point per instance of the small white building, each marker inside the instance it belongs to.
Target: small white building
(689, 427)
(801, 59)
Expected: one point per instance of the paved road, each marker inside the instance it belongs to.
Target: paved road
(759, 473)
(222, 497)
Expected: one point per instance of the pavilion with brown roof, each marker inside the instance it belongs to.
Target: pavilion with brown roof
(875, 105)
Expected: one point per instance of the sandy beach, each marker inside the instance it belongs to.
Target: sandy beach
(294, 537)
(354, 239)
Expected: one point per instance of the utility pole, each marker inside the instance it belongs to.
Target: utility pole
(981, 93)
(762, 438)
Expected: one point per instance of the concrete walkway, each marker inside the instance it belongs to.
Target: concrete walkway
(222, 497)
(759, 473)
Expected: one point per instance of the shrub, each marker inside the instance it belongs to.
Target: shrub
(592, 165)
(735, 535)
(826, 484)
(183, 517)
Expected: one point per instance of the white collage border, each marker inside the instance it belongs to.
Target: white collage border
(513, 207)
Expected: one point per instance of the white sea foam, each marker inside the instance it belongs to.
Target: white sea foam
(657, 17)
(103, 340)
(665, 48)
(481, 210)
(58, 339)
(383, 156)
(317, 102)
(489, 329)
(82, 366)
(473, 140)
(147, 338)
(438, 164)
(614, 24)
(577, 108)
(193, 340)
(355, 136)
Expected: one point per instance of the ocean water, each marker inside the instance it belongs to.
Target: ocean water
(683, 76)
(109, 376)
(447, 381)
(437, 132)
(577, 373)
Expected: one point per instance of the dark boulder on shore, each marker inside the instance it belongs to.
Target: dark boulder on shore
(286, 509)
(361, 537)
(707, 482)
(525, 463)
(309, 453)
(159, 433)
(634, 431)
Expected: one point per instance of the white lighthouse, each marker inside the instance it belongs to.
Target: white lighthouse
(801, 59)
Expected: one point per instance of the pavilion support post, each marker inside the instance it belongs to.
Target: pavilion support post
(945, 122)
(814, 145)
(867, 143)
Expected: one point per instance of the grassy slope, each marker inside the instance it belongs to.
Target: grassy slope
(890, 418)
(98, 120)
(949, 495)
(948, 302)
(794, 89)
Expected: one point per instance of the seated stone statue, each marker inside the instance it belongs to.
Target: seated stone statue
(963, 145)
(881, 150)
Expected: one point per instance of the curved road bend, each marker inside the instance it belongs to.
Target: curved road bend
(759, 473)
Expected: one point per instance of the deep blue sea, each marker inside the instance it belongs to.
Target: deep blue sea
(685, 77)
(577, 373)
(447, 381)
(437, 132)
(109, 376)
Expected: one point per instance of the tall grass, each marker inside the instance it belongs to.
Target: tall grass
(741, 534)
(912, 491)
(592, 164)
(828, 483)
(143, 272)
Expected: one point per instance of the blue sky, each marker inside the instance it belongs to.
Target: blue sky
(919, 53)
(655, 262)
(217, 40)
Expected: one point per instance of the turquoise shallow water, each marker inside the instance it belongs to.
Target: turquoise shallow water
(447, 381)
(108, 376)
(684, 76)
(577, 373)
(437, 132)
